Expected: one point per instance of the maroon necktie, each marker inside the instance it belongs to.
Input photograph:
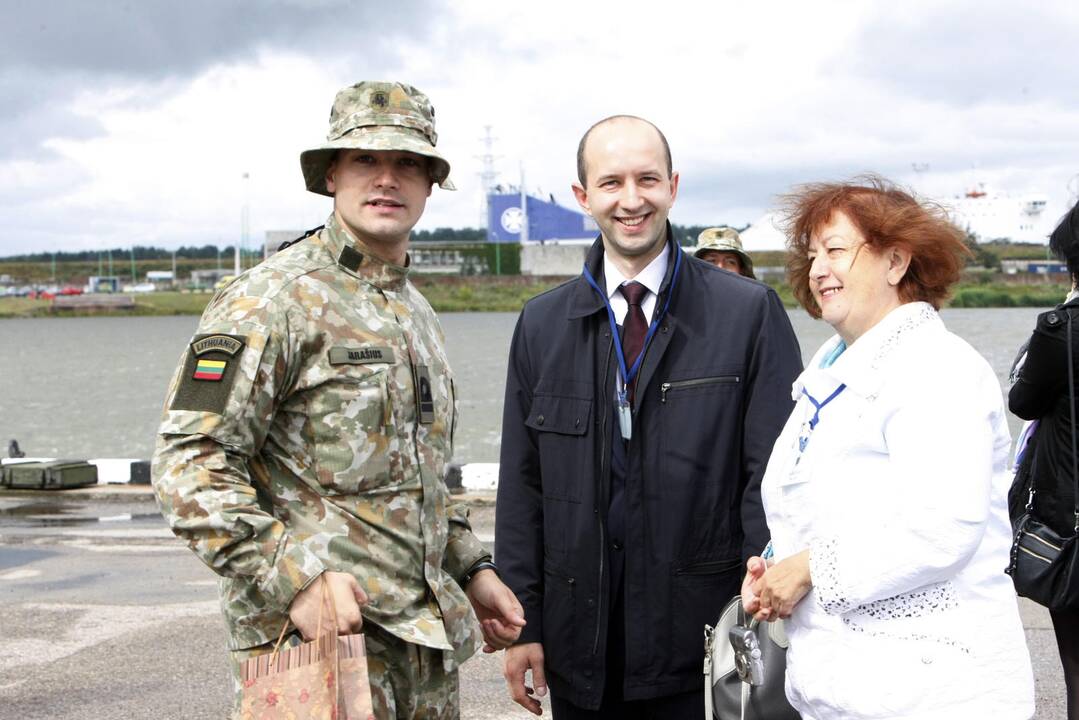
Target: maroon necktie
(634, 327)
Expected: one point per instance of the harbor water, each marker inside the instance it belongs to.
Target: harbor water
(93, 387)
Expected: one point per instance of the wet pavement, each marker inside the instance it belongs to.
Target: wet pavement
(106, 615)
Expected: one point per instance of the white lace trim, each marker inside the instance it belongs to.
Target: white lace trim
(924, 314)
(824, 571)
(923, 602)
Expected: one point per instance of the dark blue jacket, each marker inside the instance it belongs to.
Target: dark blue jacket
(712, 395)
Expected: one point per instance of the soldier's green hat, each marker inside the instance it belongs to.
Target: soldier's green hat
(724, 239)
(377, 116)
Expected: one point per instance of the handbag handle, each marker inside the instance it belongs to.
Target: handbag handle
(1071, 409)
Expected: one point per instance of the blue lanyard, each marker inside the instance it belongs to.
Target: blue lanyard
(629, 373)
(820, 405)
(803, 440)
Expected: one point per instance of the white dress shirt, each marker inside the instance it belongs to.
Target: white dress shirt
(651, 277)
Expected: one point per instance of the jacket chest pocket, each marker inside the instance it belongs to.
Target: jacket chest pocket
(350, 421)
(560, 425)
(711, 384)
(699, 422)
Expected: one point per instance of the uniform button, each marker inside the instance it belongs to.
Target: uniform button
(588, 672)
(577, 422)
(927, 660)
(588, 686)
(539, 420)
(590, 602)
(616, 545)
(663, 329)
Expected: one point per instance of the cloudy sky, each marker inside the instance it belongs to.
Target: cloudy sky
(134, 122)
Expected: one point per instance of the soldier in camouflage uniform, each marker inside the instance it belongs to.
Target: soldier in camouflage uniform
(306, 429)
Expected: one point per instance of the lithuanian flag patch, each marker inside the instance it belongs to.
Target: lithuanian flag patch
(210, 369)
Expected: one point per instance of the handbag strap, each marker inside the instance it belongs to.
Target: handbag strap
(1071, 410)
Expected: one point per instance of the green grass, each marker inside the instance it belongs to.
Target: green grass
(997, 295)
(457, 294)
(162, 303)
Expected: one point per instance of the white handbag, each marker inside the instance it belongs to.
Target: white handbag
(729, 693)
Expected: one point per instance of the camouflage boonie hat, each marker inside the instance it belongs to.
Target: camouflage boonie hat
(377, 116)
(724, 239)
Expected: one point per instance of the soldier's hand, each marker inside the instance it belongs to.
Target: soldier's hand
(347, 596)
(520, 658)
(499, 613)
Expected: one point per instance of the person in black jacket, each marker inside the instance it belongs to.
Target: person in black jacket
(626, 509)
(1041, 393)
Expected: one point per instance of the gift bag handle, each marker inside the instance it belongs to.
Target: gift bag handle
(326, 599)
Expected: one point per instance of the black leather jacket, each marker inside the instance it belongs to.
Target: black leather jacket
(1041, 392)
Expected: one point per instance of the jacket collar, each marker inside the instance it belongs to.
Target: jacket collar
(860, 365)
(356, 259)
(586, 301)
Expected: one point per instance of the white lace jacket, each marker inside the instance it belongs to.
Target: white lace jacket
(900, 494)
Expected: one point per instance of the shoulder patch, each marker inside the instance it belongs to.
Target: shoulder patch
(209, 372)
(228, 344)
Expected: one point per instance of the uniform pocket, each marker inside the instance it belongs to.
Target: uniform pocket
(351, 423)
(561, 425)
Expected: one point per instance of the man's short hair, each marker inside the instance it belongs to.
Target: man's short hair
(581, 172)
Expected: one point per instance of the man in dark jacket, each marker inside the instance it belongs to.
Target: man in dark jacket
(642, 402)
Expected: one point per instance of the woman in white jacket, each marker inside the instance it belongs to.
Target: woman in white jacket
(886, 491)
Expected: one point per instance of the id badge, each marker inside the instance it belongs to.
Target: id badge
(625, 418)
(425, 401)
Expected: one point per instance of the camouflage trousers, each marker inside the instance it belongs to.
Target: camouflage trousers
(408, 681)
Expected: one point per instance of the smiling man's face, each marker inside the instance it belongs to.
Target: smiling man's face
(628, 190)
(379, 195)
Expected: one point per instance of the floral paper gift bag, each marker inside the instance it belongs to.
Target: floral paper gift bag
(318, 680)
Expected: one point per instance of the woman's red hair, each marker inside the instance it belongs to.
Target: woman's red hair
(888, 217)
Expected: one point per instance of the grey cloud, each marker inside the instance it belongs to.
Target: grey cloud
(967, 53)
(51, 50)
(155, 38)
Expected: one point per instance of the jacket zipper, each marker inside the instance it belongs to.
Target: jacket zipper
(679, 384)
(602, 529)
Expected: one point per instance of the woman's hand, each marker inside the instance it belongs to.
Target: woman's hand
(781, 587)
(755, 568)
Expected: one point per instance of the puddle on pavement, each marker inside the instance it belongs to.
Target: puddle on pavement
(49, 514)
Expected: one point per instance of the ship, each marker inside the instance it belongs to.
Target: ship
(994, 216)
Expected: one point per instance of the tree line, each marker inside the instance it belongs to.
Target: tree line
(686, 235)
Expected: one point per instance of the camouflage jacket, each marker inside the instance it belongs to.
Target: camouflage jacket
(293, 442)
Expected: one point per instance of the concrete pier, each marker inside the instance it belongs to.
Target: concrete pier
(106, 615)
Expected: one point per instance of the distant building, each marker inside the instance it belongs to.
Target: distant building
(160, 278)
(276, 238)
(103, 284)
(555, 240)
(1033, 267)
(763, 235)
(206, 279)
(547, 221)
